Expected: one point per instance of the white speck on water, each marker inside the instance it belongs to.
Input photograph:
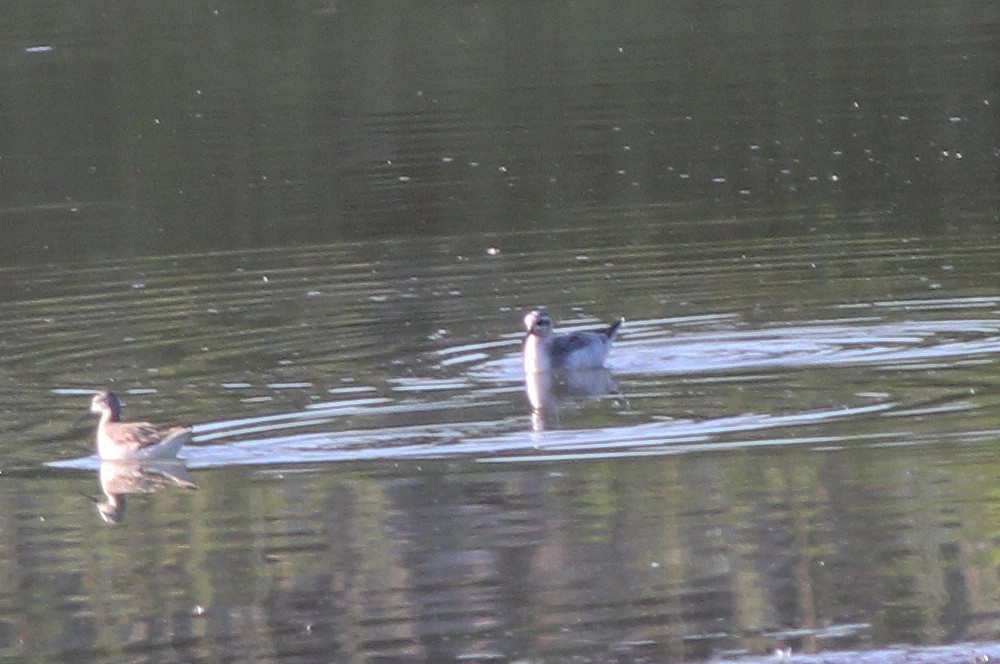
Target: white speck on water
(71, 391)
(405, 178)
(38, 49)
(350, 390)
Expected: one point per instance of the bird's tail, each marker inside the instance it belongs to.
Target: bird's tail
(613, 328)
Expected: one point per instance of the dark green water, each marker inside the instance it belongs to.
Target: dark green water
(312, 232)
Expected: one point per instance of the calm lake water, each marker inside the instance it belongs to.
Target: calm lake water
(312, 232)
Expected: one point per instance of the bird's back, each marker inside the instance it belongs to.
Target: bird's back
(579, 350)
(140, 440)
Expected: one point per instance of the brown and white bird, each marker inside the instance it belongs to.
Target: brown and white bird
(125, 441)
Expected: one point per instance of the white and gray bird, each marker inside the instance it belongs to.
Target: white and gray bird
(544, 350)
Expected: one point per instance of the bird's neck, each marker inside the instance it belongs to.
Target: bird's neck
(535, 357)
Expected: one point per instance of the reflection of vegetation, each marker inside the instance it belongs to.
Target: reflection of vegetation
(648, 550)
(255, 127)
(586, 137)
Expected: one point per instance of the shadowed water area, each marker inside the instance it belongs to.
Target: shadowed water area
(312, 232)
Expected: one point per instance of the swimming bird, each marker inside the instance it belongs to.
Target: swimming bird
(546, 351)
(123, 441)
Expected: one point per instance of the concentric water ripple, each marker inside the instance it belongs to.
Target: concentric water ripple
(268, 349)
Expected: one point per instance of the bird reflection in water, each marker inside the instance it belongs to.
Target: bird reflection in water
(121, 478)
(548, 391)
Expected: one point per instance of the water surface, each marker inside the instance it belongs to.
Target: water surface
(312, 233)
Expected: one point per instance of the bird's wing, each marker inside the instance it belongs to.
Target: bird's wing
(567, 343)
(139, 435)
